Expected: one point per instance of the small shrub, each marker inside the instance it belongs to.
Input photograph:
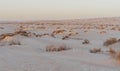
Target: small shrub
(115, 54)
(6, 35)
(111, 51)
(110, 41)
(118, 40)
(86, 41)
(14, 42)
(95, 50)
(58, 32)
(65, 37)
(23, 33)
(2, 37)
(118, 55)
(54, 48)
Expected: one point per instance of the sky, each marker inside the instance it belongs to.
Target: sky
(58, 9)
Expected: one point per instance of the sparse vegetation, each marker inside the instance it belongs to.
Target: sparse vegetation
(23, 33)
(56, 48)
(86, 41)
(65, 37)
(95, 50)
(118, 55)
(110, 41)
(58, 32)
(114, 53)
(111, 51)
(14, 42)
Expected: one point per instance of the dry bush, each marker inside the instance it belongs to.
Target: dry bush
(41, 27)
(115, 54)
(14, 42)
(118, 55)
(118, 40)
(95, 50)
(110, 41)
(58, 32)
(8, 40)
(56, 48)
(65, 37)
(52, 35)
(6, 35)
(102, 32)
(111, 51)
(2, 37)
(23, 33)
(86, 41)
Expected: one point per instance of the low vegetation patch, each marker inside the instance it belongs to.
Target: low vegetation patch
(110, 41)
(86, 41)
(95, 50)
(114, 53)
(9, 40)
(65, 37)
(56, 48)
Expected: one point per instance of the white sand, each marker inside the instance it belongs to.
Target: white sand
(31, 54)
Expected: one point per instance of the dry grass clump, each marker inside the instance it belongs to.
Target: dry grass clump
(115, 54)
(110, 41)
(41, 27)
(118, 40)
(2, 36)
(118, 55)
(41, 35)
(23, 33)
(65, 37)
(102, 32)
(58, 32)
(56, 48)
(9, 40)
(86, 41)
(14, 42)
(95, 50)
(111, 51)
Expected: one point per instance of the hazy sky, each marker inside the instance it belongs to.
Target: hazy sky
(58, 9)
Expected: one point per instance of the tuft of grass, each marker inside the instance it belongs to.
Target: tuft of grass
(115, 54)
(111, 51)
(118, 55)
(110, 41)
(86, 41)
(14, 42)
(95, 50)
(56, 48)
(65, 37)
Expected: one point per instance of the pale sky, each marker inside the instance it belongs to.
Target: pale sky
(58, 9)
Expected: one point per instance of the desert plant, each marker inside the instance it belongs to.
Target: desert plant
(2, 37)
(23, 33)
(58, 32)
(110, 41)
(118, 55)
(115, 54)
(65, 37)
(111, 51)
(118, 40)
(14, 42)
(86, 41)
(95, 50)
(52, 48)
